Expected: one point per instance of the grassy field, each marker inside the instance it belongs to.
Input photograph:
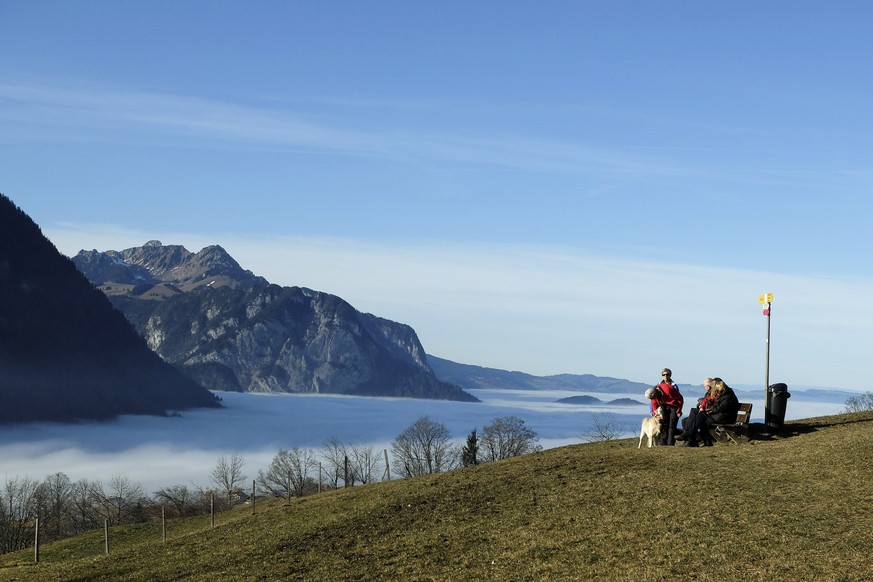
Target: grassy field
(794, 507)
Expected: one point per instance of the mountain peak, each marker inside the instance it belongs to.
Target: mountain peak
(136, 271)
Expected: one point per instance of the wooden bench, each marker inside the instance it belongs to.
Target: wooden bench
(734, 431)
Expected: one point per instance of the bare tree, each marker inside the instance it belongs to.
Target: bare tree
(334, 455)
(119, 501)
(605, 428)
(289, 472)
(83, 514)
(507, 437)
(860, 403)
(424, 447)
(54, 495)
(364, 463)
(180, 498)
(17, 510)
(228, 476)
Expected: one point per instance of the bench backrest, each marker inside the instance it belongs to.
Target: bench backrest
(744, 413)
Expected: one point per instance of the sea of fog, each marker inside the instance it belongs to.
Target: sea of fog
(162, 451)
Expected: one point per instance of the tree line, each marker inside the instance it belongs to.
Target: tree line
(67, 508)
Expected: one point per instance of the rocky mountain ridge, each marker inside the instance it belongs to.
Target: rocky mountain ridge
(156, 271)
(230, 330)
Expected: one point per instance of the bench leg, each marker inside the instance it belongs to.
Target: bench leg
(717, 434)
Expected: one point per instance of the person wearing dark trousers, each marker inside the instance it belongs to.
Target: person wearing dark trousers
(703, 405)
(667, 394)
(723, 410)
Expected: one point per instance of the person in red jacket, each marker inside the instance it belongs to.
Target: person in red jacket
(667, 394)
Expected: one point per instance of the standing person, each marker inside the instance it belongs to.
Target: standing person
(723, 409)
(672, 400)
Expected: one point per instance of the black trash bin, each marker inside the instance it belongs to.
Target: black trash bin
(777, 402)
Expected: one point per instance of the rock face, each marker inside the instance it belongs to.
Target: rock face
(231, 330)
(65, 353)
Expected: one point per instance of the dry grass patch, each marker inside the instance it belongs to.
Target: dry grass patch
(794, 508)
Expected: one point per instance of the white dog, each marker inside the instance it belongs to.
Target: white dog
(652, 427)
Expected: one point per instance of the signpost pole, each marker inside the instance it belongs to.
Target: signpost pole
(766, 300)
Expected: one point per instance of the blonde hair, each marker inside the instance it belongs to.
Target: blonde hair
(718, 386)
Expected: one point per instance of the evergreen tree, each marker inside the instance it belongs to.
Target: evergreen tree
(471, 450)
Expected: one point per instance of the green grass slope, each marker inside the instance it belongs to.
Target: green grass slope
(798, 507)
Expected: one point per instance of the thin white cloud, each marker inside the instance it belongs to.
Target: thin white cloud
(113, 114)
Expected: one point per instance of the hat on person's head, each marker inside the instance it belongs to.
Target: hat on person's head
(650, 393)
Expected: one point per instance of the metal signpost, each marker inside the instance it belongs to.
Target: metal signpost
(765, 300)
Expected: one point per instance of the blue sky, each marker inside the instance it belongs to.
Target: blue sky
(584, 187)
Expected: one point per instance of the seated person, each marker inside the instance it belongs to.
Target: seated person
(723, 410)
(703, 405)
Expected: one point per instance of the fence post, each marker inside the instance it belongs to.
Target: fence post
(163, 524)
(346, 472)
(212, 507)
(387, 466)
(254, 493)
(106, 534)
(289, 485)
(319, 477)
(36, 542)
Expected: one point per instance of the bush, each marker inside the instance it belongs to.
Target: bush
(860, 403)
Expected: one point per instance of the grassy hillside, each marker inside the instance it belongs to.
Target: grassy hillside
(798, 507)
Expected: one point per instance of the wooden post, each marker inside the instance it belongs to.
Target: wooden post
(163, 524)
(346, 472)
(212, 507)
(254, 493)
(106, 534)
(36, 541)
(387, 466)
(319, 477)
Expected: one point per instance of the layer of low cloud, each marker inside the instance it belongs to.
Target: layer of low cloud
(160, 452)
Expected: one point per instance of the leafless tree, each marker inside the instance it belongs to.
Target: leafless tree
(334, 453)
(364, 463)
(424, 447)
(289, 472)
(83, 514)
(179, 497)
(507, 437)
(605, 428)
(54, 494)
(228, 476)
(17, 510)
(860, 403)
(119, 501)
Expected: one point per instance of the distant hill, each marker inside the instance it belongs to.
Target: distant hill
(231, 330)
(594, 401)
(65, 353)
(476, 377)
